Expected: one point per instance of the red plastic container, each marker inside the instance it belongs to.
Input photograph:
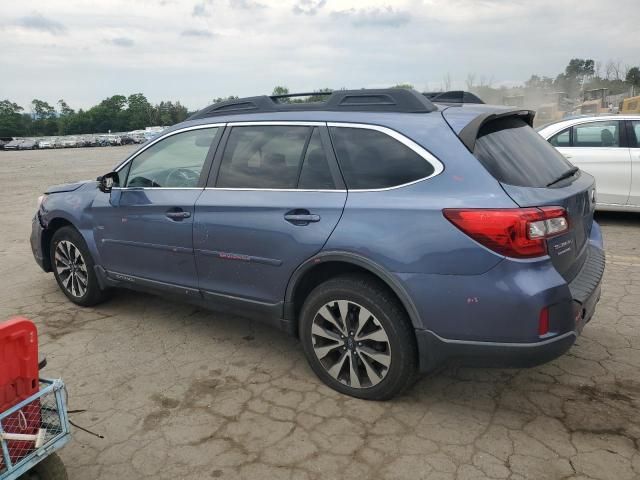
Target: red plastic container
(18, 381)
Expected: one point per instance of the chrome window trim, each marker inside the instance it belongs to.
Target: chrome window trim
(437, 165)
(275, 189)
(159, 139)
(277, 123)
(157, 188)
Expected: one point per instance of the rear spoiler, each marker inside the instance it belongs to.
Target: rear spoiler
(453, 97)
(469, 133)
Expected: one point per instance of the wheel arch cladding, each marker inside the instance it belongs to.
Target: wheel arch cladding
(325, 266)
(53, 226)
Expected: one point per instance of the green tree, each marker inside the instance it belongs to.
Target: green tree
(224, 99)
(139, 111)
(281, 90)
(42, 110)
(408, 86)
(64, 109)
(65, 114)
(11, 119)
(633, 76)
(319, 98)
(44, 121)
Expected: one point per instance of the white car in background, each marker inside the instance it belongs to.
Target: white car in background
(607, 147)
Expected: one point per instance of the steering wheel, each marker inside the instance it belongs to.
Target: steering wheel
(182, 177)
(142, 182)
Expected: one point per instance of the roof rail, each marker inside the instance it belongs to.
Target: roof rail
(293, 95)
(453, 96)
(399, 100)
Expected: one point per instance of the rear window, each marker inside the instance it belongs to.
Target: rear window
(516, 155)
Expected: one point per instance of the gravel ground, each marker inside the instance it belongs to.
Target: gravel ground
(179, 392)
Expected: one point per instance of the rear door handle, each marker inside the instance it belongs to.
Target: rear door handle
(301, 217)
(177, 215)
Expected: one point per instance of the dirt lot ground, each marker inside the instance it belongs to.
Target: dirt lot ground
(179, 392)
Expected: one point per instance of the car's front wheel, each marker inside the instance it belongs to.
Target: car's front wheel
(73, 268)
(358, 339)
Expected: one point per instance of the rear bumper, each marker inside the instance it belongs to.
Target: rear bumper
(571, 306)
(435, 350)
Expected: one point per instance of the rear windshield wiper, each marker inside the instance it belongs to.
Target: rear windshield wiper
(568, 174)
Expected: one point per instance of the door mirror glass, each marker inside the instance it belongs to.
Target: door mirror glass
(108, 181)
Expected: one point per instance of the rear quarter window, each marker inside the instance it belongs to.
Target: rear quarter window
(516, 155)
(370, 159)
(562, 139)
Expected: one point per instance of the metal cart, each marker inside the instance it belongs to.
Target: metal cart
(43, 416)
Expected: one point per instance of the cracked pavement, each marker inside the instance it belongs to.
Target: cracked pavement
(180, 392)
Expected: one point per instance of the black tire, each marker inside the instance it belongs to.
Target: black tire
(92, 294)
(368, 293)
(51, 468)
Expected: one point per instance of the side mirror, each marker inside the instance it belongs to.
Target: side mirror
(108, 181)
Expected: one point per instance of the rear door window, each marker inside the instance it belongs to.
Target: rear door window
(315, 173)
(597, 134)
(516, 155)
(275, 157)
(370, 159)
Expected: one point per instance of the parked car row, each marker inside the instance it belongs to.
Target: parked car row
(76, 141)
(20, 144)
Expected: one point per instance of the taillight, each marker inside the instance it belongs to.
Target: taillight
(513, 232)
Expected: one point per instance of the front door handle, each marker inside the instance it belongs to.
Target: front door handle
(177, 215)
(301, 217)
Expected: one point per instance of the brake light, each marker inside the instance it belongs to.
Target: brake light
(513, 232)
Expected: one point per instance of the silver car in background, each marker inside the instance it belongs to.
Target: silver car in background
(607, 147)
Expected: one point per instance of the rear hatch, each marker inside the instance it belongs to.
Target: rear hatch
(534, 174)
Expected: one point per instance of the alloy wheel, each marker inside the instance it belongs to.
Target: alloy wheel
(351, 344)
(71, 268)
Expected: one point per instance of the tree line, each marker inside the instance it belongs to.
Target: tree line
(120, 113)
(116, 114)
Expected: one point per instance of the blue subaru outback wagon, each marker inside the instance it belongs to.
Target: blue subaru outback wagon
(387, 230)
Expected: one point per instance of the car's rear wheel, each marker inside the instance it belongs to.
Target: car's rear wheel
(358, 339)
(73, 268)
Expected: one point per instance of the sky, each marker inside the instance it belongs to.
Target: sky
(196, 50)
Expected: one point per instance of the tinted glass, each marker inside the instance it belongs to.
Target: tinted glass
(597, 134)
(515, 154)
(370, 159)
(176, 161)
(562, 139)
(263, 157)
(316, 174)
(636, 131)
